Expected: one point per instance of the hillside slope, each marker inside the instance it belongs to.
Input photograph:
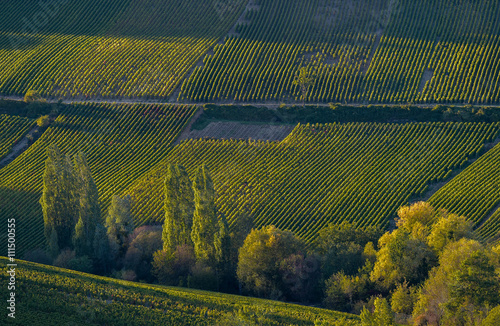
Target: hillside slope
(47, 295)
(475, 193)
(377, 51)
(12, 128)
(122, 142)
(104, 48)
(355, 172)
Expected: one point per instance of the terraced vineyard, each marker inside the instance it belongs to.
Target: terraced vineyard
(12, 128)
(475, 193)
(356, 172)
(56, 296)
(377, 51)
(105, 48)
(122, 143)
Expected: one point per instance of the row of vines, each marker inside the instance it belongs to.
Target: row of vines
(122, 142)
(129, 49)
(54, 296)
(357, 172)
(475, 193)
(12, 128)
(369, 51)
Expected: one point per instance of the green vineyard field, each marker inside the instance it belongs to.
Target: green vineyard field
(103, 48)
(12, 128)
(122, 142)
(49, 295)
(382, 51)
(475, 193)
(321, 173)
(371, 51)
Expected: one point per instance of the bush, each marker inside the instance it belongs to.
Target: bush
(43, 121)
(64, 258)
(260, 257)
(81, 264)
(202, 277)
(32, 96)
(145, 241)
(39, 256)
(67, 259)
(173, 268)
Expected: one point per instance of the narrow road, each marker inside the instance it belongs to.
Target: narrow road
(270, 104)
(19, 148)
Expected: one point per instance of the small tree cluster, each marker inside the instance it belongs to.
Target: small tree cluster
(192, 225)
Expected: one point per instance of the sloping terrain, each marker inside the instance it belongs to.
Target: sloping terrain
(370, 51)
(120, 48)
(12, 128)
(355, 172)
(475, 193)
(382, 51)
(56, 296)
(122, 142)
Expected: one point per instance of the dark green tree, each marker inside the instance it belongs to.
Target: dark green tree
(59, 199)
(89, 211)
(222, 245)
(101, 250)
(205, 216)
(305, 78)
(475, 283)
(179, 208)
(119, 225)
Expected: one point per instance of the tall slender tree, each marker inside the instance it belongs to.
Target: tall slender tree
(119, 225)
(222, 246)
(89, 211)
(205, 216)
(179, 208)
(59, 197)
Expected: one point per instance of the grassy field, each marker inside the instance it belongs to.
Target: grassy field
(47, 295)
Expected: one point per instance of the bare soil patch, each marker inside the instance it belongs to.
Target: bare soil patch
(428, 73)
(237, 130)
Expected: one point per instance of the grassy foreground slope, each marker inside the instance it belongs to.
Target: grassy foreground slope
(107, 48)
(122, 142)
(475, 193)
(371, 50)
(356, 172)
(12, 128)
(47, 295)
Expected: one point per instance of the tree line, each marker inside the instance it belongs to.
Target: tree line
(432, 269)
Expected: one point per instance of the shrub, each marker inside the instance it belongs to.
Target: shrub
(32, 96)
(39, 256)
(43, 121)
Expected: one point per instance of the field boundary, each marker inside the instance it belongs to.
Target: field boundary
(271, 104)
(23, 144)
(435, 187)
(211, 50)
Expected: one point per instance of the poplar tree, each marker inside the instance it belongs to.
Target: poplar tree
(205, 216)
(179, 208)
(101, 249)
(58, 200)
(119, 225)
(89, 211)
(222, 246)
